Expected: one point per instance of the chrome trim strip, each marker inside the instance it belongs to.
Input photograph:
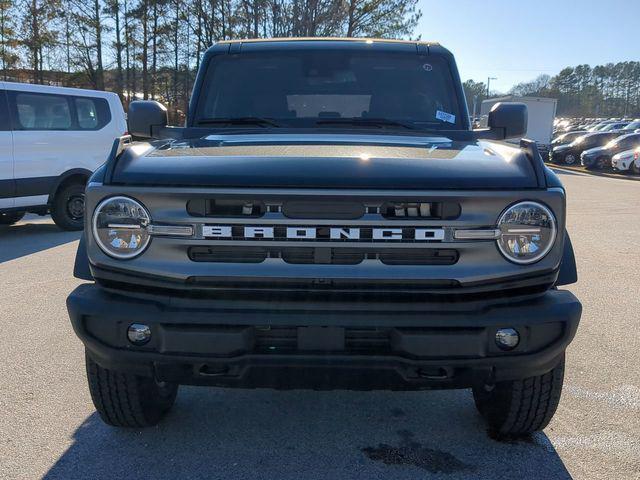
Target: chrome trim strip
(477, 234)
(171, 230)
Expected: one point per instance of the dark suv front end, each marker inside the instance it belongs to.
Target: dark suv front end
(320, 250)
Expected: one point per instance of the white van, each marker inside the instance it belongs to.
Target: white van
(51, 140)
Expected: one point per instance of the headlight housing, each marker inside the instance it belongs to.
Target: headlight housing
(120, 227)
(528, 231)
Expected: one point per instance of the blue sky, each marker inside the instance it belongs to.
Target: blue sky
(517, 40)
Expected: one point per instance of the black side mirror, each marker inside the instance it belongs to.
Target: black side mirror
(146, 118)
(509, 119)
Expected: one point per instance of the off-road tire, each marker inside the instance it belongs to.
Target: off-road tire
(520, 407)
(9, 218)
(127, 400)
(63, 212)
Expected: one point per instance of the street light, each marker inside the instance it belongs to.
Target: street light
(489, 83)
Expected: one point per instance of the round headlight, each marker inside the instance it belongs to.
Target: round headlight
(528, 230)
(120, 227)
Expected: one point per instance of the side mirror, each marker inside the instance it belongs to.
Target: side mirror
(509, 119)
(146, 118)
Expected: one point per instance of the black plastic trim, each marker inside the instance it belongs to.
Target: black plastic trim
(568, 270)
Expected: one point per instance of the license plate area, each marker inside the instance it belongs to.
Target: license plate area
(321, 338)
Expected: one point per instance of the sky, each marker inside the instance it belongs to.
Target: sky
(517, 40)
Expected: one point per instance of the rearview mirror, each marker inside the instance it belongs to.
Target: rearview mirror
(146, 118)
(509, 119)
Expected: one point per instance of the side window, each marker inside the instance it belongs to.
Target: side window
(4, 112)
(93, 113)
(43, 112)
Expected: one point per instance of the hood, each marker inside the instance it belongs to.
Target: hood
(595, 151)
(326, 161)
(560, 148)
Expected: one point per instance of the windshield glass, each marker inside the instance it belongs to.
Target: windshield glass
(309, 89)
(625, 141)
(632, 126)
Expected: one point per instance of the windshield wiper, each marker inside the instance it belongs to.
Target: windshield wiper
(238, 121)
(366, 122)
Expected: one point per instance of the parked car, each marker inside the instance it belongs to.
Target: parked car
(570, 154)
(568, 137)
(632, 126)
(610, 127)
(599, 158)
(51, 140)
(627, 160)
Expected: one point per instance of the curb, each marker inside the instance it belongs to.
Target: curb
(595, 173)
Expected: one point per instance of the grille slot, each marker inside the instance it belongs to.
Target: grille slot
(229, 208)
(357, 340)
(323, 255)
(411, 256)
(323, 210)
(228, 254)
(424, 209)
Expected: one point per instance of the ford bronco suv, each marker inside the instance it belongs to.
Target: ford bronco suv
(326, 219)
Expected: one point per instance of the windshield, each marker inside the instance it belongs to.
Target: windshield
(625, 141)
(632, 126)
(330, 88)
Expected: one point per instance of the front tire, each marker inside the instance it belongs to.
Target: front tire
(570, 159)
(9, 218)
(67, 210)
(127, 400)
(635, 167)
(520, 407)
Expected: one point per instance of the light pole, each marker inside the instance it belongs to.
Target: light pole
(489, 83)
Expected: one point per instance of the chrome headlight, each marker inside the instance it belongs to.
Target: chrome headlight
(528, 231)
(120, 227)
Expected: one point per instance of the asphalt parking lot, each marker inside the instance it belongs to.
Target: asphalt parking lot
(48, 427)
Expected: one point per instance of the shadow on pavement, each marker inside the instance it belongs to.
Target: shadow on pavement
(26, 238)
(304, 435)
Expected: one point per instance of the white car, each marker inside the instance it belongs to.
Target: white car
(627, 160)
(51, 140)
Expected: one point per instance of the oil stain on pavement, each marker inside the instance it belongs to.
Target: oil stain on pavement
(410, 452)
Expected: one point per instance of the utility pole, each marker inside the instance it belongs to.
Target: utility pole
(489, 83)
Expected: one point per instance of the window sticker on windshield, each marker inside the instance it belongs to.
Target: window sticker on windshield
(445, 117)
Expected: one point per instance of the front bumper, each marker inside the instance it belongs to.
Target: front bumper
(324, 342)
(621, 164)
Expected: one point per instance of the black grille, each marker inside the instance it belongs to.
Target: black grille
(324, 255)
(356, 340)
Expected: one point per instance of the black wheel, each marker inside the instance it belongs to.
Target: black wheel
(601, 163)
(520, 407)
(127, 400)
(67, 209)
(635, 167)
(9, 218)
(570, 159)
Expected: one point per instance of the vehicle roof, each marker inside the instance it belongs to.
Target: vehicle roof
(30, 87)
(328, 39)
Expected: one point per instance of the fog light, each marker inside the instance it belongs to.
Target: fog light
(139, 333)
(507, 338)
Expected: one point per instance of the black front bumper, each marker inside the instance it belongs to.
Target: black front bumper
(325, 343)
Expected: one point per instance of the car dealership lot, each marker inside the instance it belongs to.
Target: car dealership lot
(48, 427)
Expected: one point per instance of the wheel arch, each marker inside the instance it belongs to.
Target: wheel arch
(70, 176)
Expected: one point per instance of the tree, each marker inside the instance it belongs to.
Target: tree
(475, 93)
(381, 18)
(8, 40)
(37, 32)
